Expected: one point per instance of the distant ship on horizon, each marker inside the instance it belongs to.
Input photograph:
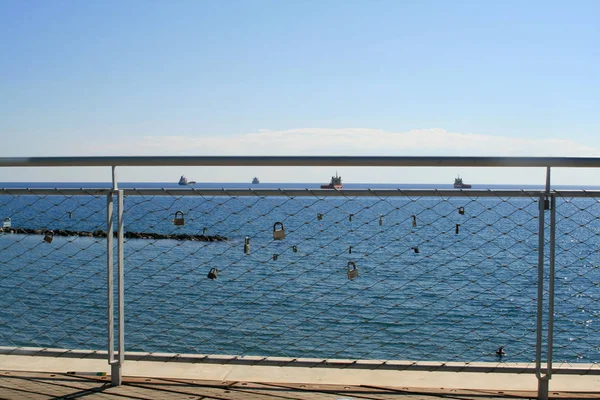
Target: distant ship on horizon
(458, 184)
(336, 182)
(255, 181)
(184, 181)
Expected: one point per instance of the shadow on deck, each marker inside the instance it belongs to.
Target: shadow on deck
(43, 385)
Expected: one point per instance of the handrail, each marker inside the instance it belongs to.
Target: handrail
(298, 161)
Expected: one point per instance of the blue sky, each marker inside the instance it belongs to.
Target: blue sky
(299, 78)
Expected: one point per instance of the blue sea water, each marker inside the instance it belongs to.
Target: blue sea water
(469, 289)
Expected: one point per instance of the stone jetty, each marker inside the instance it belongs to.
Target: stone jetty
(128, 235)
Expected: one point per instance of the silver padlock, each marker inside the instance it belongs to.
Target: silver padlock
(352, 270)
(48, 236)
(247, 245)
(6, 223)
(278, 233)
(179, 220)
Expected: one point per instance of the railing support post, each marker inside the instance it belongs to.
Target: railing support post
(121, 283)
(547, 202)
(110, 285)
(116, 363)
(543, 388)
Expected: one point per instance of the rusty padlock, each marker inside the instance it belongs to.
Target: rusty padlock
(278, 234)
(49, 235)
(352, 270)
(179, 221)
(414, 217)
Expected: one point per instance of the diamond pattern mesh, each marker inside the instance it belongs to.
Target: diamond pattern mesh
(411, 275)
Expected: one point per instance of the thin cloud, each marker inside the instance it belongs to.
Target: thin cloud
(349, 141)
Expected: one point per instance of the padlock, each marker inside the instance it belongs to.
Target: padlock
(278, 234)
(457, 226)
(70, 214)
(414, 217)
(461, 210)
(275, 257)
(380, 220)
(204, 230)
(416, 249)
(48, 236)
(6, 223)
(247, 245)
(319, 216)
(295, 249)
(179, 221)
(350, 250)
(212, 274)
(352, 270)
(350, 217)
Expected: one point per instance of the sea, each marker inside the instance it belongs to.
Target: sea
(439, 278)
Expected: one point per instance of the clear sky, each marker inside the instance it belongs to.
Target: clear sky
(305, 77)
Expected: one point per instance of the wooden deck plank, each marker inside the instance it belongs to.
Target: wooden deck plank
(41, 386)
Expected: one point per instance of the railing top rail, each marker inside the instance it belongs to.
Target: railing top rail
(298, 161)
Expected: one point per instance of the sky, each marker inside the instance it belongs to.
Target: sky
(302, 77)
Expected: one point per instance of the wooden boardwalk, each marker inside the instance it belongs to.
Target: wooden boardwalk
(39, 385)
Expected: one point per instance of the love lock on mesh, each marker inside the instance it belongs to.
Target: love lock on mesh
(48, 236)
(212, 274)
(6, 223)
(278, 231)
(352, 270)
(179, 221)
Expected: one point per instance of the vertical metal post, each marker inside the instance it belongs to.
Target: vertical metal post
(542, 380)
(115, 364)
(551, 283)
(109, 278)
(114, 178)
(121, 280)
(549, 202)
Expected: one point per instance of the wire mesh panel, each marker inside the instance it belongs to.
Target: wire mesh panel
(577, 283)
(53, 269)
(372, 275)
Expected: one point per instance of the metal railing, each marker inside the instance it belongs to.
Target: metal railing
(402, 276)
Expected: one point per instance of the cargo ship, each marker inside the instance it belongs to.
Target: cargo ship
(336, 183)
(458, 184)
